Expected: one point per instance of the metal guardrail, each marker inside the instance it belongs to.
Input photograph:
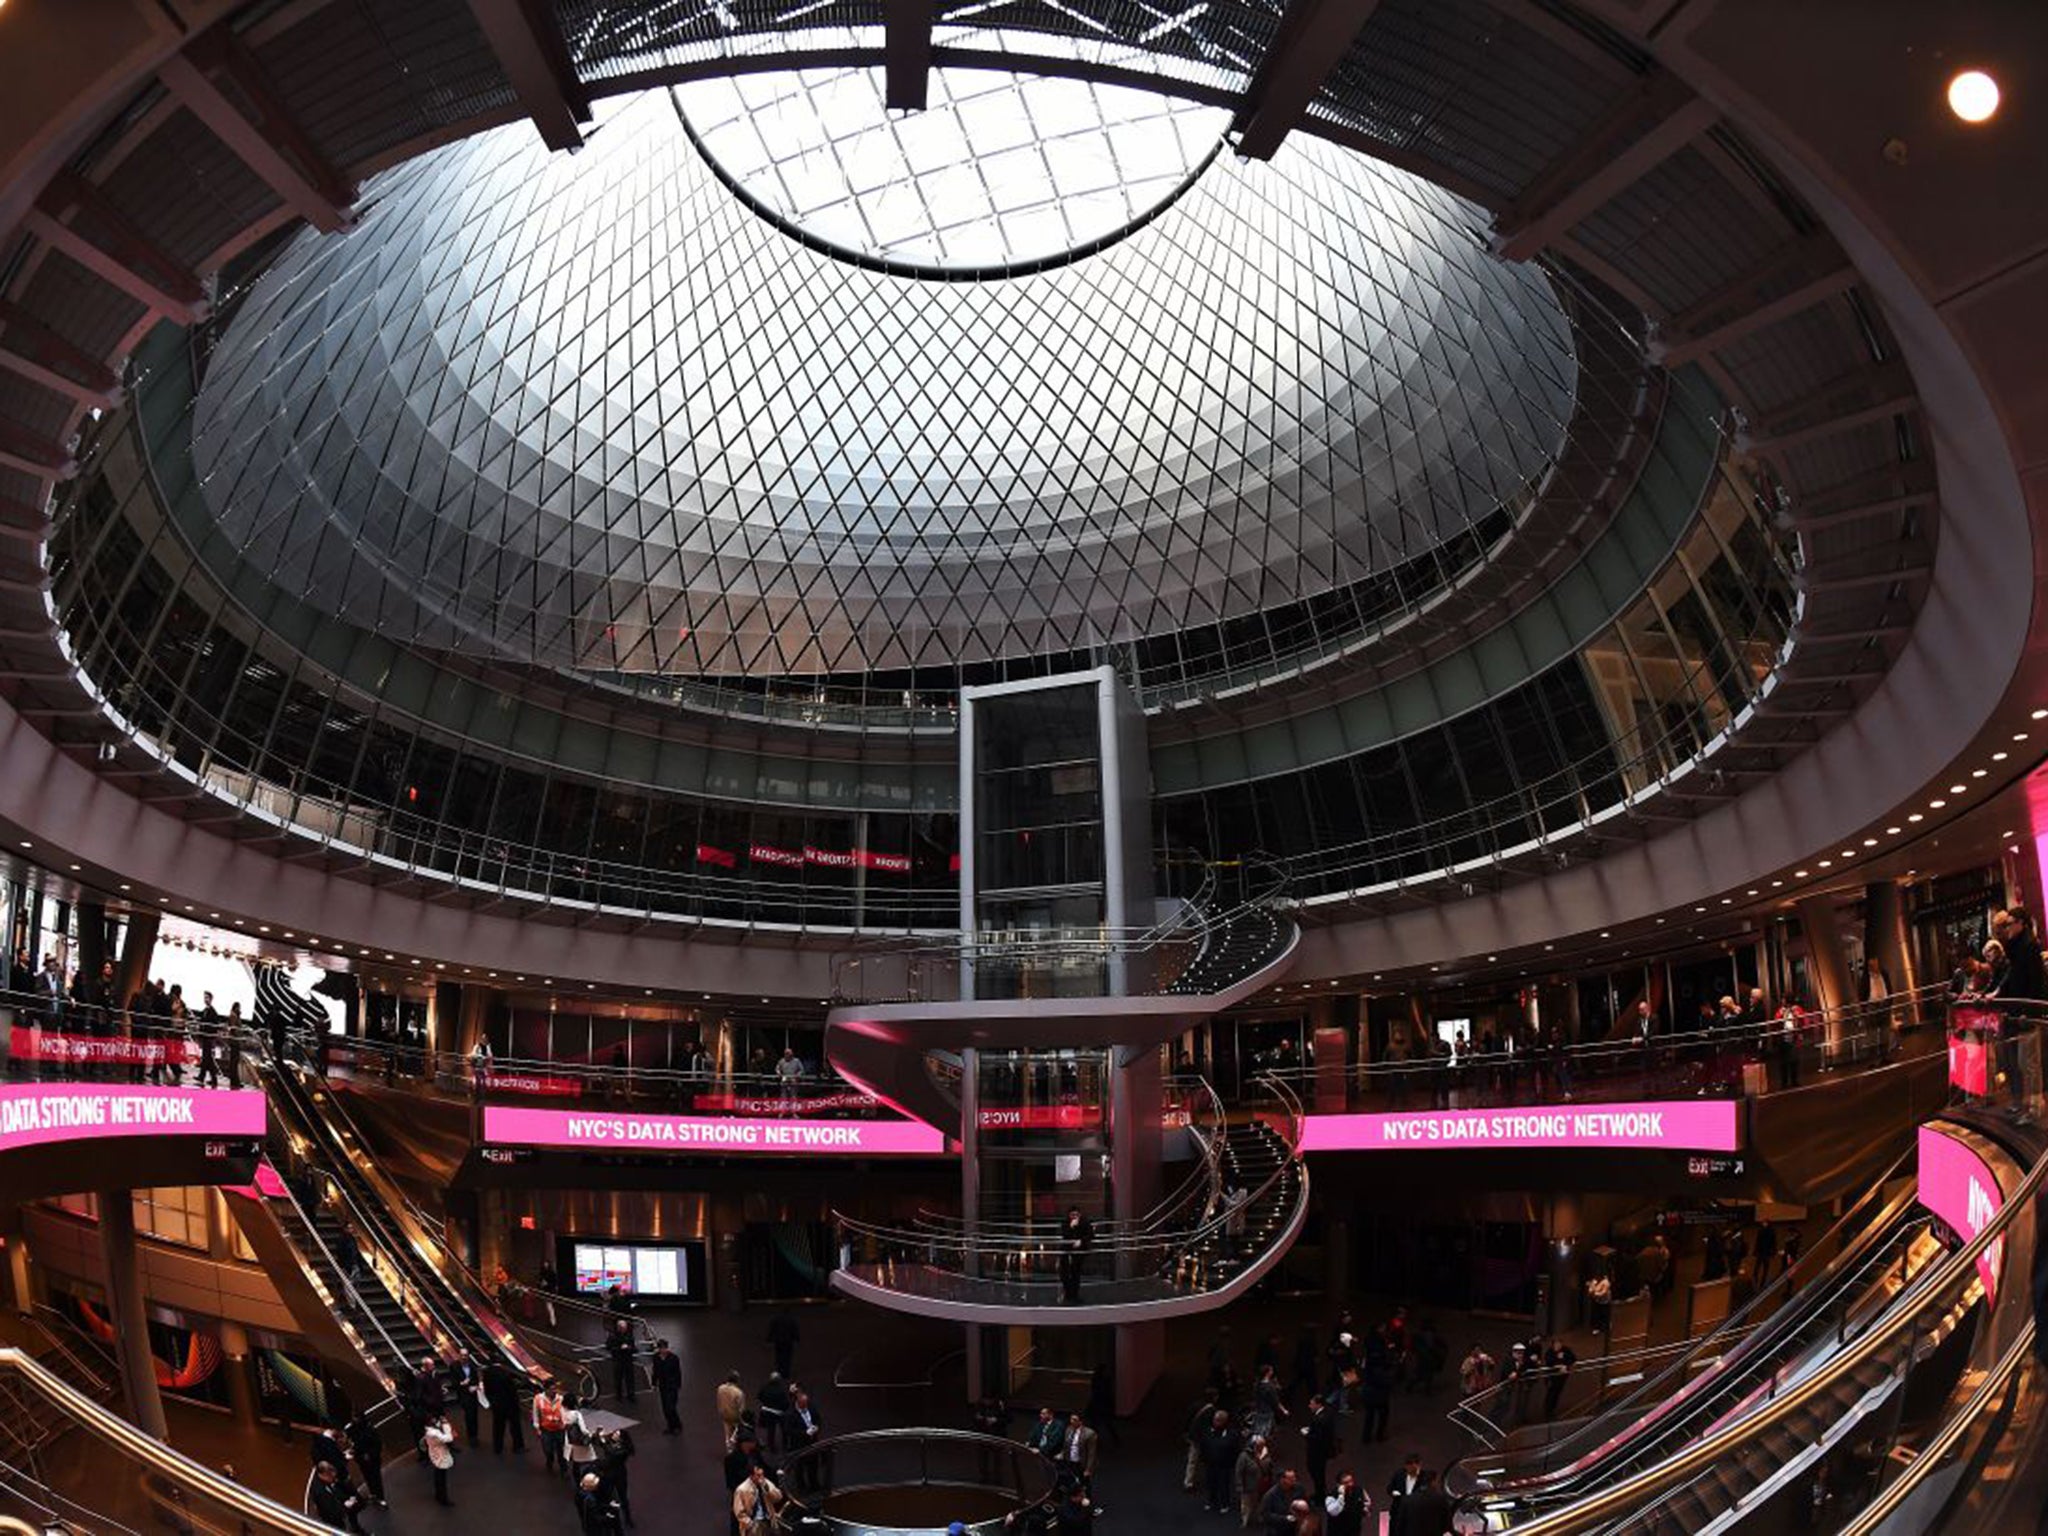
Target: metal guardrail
(201, 1499)
(1950, 1284)
(1158, 1246)
(883, 1460)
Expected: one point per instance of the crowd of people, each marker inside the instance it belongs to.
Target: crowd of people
(1242, 1439)
(162, 1033)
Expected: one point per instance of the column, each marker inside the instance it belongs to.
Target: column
(234, 1343)
(136, 952)
(20, 1273)
(1828, 963)
(1134, 1149)
(1884, 935)
(130, 1317)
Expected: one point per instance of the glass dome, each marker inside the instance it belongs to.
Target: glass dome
(593, 412)
(997, 173)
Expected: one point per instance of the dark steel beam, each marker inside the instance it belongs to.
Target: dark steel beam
(221, 83)
(535, 57)
(907, 54)
(1311, 40)
(1634, 136)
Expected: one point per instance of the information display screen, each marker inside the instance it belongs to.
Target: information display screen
(669, 1271)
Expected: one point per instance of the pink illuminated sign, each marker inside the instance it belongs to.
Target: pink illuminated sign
(1959, 1187)
(1694, 1125)
(34, 1114)
(505, 1125)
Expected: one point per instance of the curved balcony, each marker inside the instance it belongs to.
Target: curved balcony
(904, 1003)
(1202, 1247)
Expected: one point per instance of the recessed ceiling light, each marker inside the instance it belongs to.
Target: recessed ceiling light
(1775, 884)
(2040, 714)
(26, 843)
(1727, 901)
(1973, 97)
(1870, 842)
(127, 887)
(2019, 735)
(75, 868)
(1750, 892)
(1827, 863)
(1957, 789)
(1999, 757)
(1935, 805)
(1978, 773)
(1916, 816)
(1490, 958)
(1605, 934)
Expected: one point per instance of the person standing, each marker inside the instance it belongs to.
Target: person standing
(668, 1386)
(755, 1503)
(1077, 1236)
(772, 1409)
(1401, 1487)
(1045, 1437)
(466, 1379)
(366, 1450)
(439, 1443)
(614, 1450)
(1077, 1454)
(335, 1503)
(1218, 1449)
(551, 1423)
(1429, 1509)
(508, 1414)
(1319, 1444)
(1250, 1476)
(619, 1345)
(1346, 1507)
(1558, 1360)
(783, 1334)
(595, 1515)
(578, 1442)
(805, 1427)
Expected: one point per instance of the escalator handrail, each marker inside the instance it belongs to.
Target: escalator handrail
(1725, 1392)
(263, 1514)
(1793, 1282)
(374, 1226)
(1929, 1457)
(641, 1327)
(1958, 1268)
(353, 1293)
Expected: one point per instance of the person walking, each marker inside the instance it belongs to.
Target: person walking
(668, 1386)
(466, 1378)
(1251, 1476)
(732, 1407)
(614, 1450)
(439, 1444)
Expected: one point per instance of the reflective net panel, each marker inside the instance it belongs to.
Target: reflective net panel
(595, 412)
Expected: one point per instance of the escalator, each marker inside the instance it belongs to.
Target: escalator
(1760, 1330)
(416, 1308)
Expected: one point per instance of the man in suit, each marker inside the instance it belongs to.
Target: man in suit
(804, 1427)
(326, 1446)
(508, 1414)
(1402, 1487)
(1077, 1452)
(334, 1502)
(1429, 1509)
(1046, 1436)
(467, 1380)
(1319, 1443)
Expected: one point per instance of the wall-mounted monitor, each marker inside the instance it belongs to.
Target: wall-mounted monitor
(668, 1272)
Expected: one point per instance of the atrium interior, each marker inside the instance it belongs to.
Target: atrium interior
(861, 769)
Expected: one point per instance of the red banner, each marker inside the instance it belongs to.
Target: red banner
(735, 1104)
(788, 858)
(1986, 1021)
(1968, 1065)
(1041, 1117)
(50, 1045)
(534, 1083)
(724, 858)
(886, 863)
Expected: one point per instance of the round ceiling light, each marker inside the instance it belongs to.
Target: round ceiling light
(1973, 96)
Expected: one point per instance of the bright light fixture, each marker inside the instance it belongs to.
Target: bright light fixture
(1973, 96)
